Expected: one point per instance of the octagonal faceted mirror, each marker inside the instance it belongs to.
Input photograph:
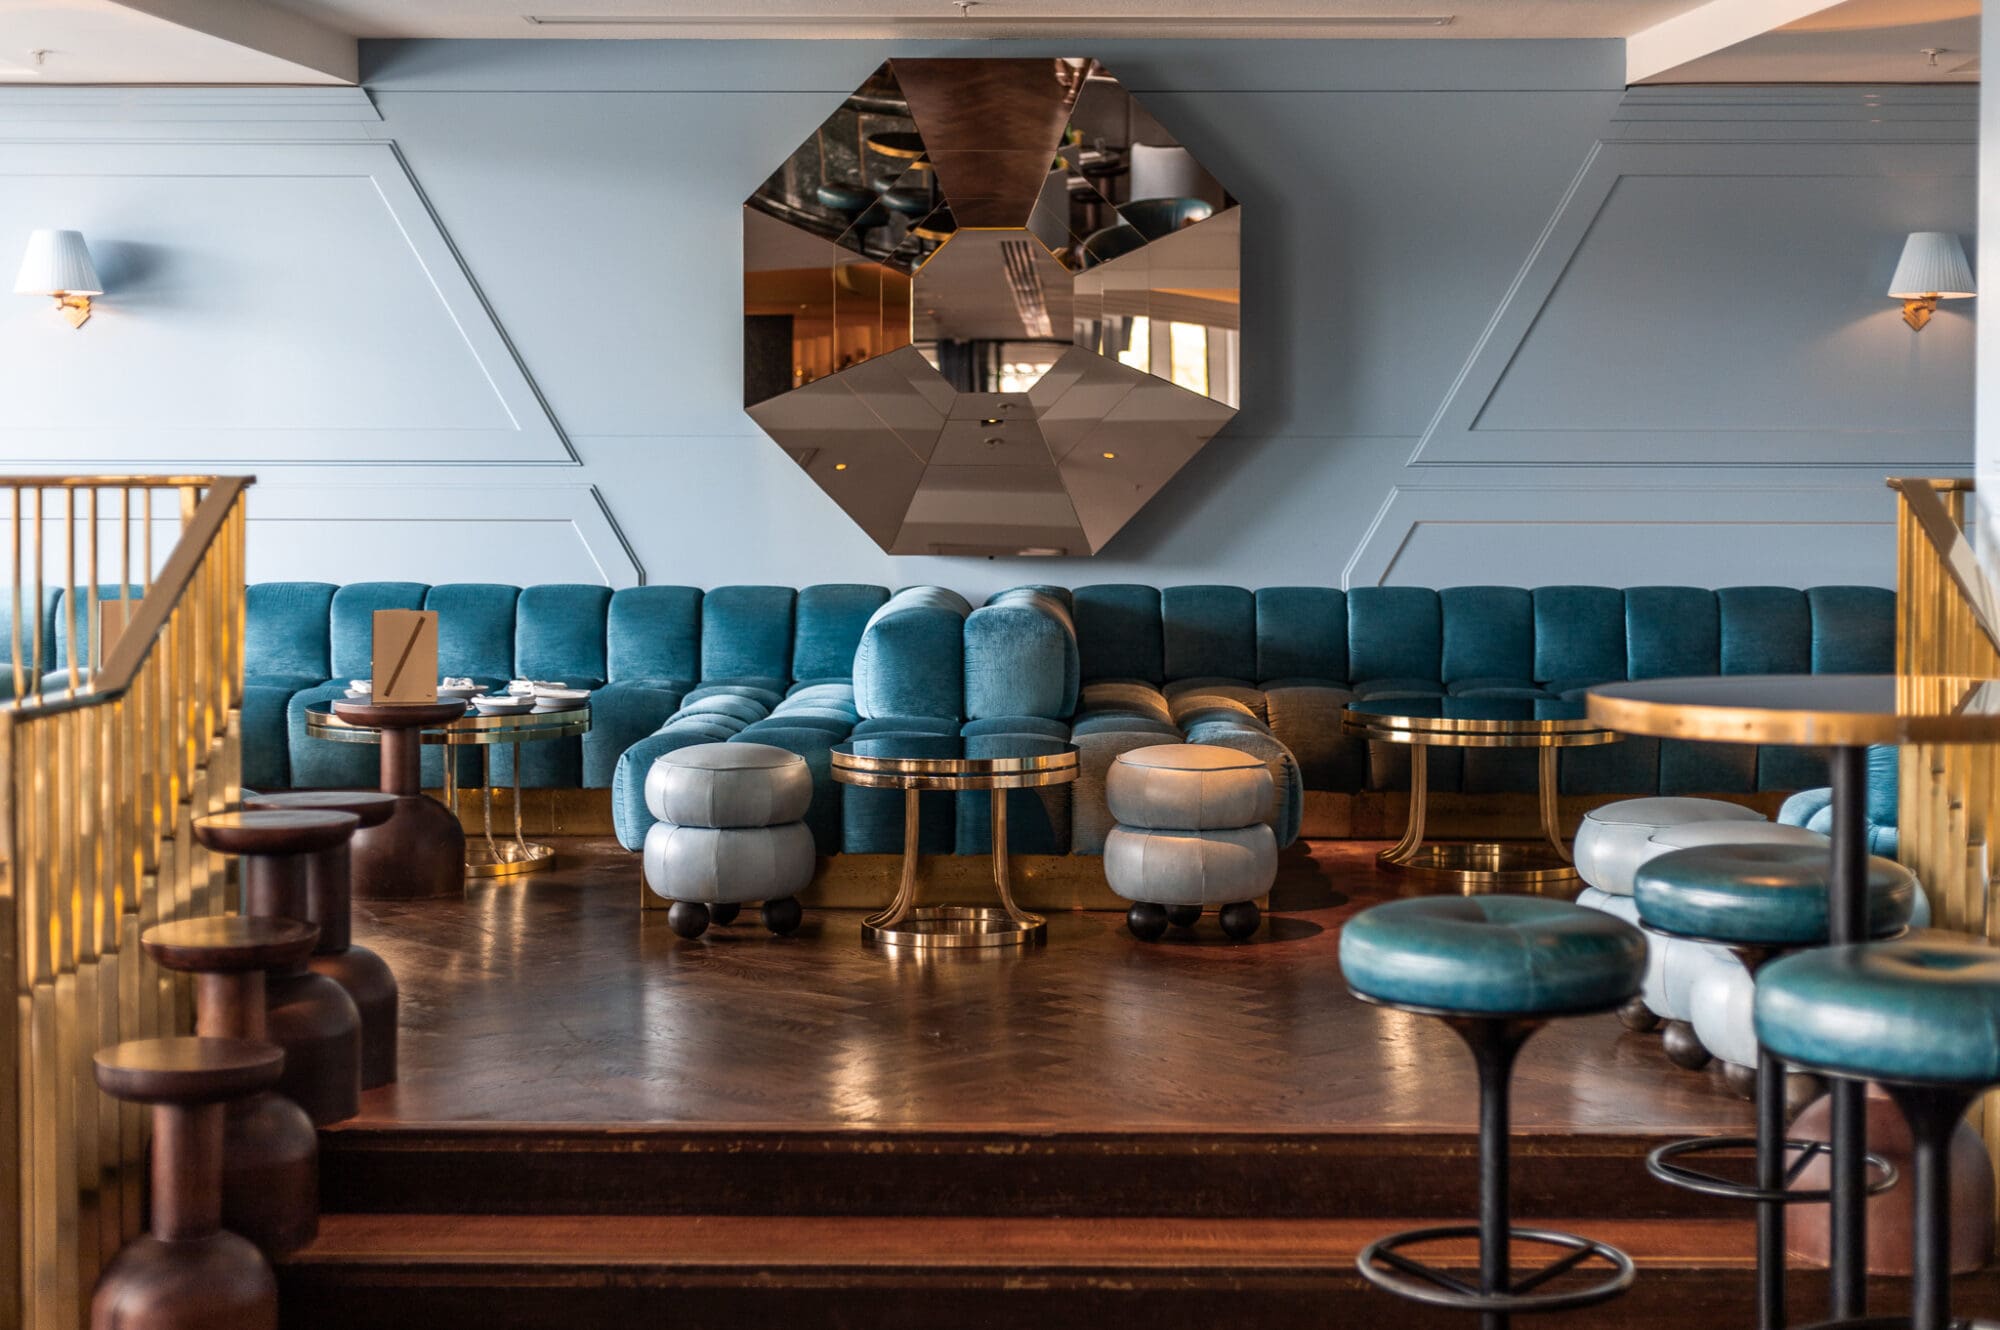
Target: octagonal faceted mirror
(991, 306)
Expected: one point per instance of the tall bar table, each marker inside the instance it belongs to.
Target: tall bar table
(1847, 714)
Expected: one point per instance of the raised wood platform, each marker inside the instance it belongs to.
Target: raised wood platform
(599, 1122)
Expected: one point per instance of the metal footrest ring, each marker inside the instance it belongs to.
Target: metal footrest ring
(1662, 1164)
(1383, 1264)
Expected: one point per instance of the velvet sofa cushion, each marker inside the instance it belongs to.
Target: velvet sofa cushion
(911, 661)
(559, 633)
(1118, 633)
(1579, 635)
(475, 629)
(1489, 634)
(621, 714)
(1208, 632)
(746, 633)
(1672, 631)
(1038, 820)
(1021, 657)
(46, 620)
(1853, 629)
(1764, 630)
(287, 630)
(267, 761)
(79, 597)
(353, 620)
(1301, 634)
(1394, 632)
(830, 619)
(653, 633)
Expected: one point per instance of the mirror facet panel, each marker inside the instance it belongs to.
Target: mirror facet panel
(991, 306)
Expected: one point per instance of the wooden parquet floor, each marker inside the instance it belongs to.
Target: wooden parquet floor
(555, 1000)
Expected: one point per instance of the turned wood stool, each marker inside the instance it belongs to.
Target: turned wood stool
(188, 1273)
(308, 1015)
(329, 903)
(420, 850)
(270, 1152)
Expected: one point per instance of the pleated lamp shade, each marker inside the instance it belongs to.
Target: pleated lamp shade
(1933, 265)
(57, 263)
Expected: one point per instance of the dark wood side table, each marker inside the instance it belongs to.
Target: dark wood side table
(420, 850)
(1846, 714)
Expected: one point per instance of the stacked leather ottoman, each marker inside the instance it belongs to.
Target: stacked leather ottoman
(731, 830)
(1191, 834)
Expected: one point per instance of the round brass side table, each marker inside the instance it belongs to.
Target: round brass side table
(487, 856)
(1423, 723)
(916, 763)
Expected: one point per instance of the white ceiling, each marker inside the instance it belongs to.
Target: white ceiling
(312, 41)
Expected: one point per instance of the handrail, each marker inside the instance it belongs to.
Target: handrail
(1957, 558)
(121, 666)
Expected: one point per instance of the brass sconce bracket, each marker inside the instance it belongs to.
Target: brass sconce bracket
(76, 309)
(1917, 311)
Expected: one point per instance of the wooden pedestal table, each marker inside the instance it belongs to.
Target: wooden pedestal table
(489, 855)
(916, 763)
(308, 1015)
(187, 1273)
(365, 975)
(1422, 723)
(270, 1152)
(420, 850)
(1846, 713)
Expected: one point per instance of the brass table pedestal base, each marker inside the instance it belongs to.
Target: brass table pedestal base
(1483, 865)
(507, 858)
(943, 926)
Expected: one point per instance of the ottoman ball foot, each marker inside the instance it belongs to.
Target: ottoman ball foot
(723, 915)
(783, 916)
(1147, 921)
(1740, 1079)
(1638, 1017)
(1183, 916)
(1239, 920)
(688, 918)
(1683, 1048)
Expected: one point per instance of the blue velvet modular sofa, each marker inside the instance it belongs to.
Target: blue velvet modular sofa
(1111, 667)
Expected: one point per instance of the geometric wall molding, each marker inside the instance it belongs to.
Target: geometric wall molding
(1688, 154)
(443, 514)
(226, 264)
(1761, 528)
(71, 113)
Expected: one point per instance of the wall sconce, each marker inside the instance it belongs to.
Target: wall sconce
(58, 264)
(1933, 268)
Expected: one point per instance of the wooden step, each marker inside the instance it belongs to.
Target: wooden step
(497, 1272)
(469, 1168)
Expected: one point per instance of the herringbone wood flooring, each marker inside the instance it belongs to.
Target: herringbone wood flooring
(554, 1000)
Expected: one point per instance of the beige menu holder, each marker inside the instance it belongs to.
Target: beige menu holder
(405, 663)
(112, 617)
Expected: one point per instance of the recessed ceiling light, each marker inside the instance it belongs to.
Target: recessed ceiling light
(1111, 457)
(840, 466)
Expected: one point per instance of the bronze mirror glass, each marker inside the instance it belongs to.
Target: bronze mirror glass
(991, 306)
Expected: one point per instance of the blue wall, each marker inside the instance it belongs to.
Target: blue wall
(1504, 321)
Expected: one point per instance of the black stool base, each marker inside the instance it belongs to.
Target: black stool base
(1661, 1164)
(1421, 1282)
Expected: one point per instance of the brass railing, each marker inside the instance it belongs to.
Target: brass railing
(1948, 805)
(123, 728)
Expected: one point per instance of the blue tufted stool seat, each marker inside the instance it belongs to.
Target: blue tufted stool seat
(1922, 1017)
(731, 829)
(1496, 968)
(1757, 899)
(1492, 956)
(1762, 895)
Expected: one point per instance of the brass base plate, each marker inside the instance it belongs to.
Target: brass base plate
(950, 926)
(506, 858)
(1483, 863)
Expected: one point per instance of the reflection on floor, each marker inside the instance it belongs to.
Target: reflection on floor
(553, 999)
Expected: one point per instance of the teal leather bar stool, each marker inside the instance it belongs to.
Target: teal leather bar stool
(1921, 1017)
(1495, 969)
(1759, 901)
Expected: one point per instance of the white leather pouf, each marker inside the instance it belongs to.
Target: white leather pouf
(1191, 834)
(1611, 842)
(731, 830)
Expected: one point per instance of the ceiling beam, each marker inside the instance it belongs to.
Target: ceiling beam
(276, 32)
(1708, 28)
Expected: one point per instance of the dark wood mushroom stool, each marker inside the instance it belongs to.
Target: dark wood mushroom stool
(270, 1152)
(188, 1273)
(308, 1015)
(420, 850)
(365, 975)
